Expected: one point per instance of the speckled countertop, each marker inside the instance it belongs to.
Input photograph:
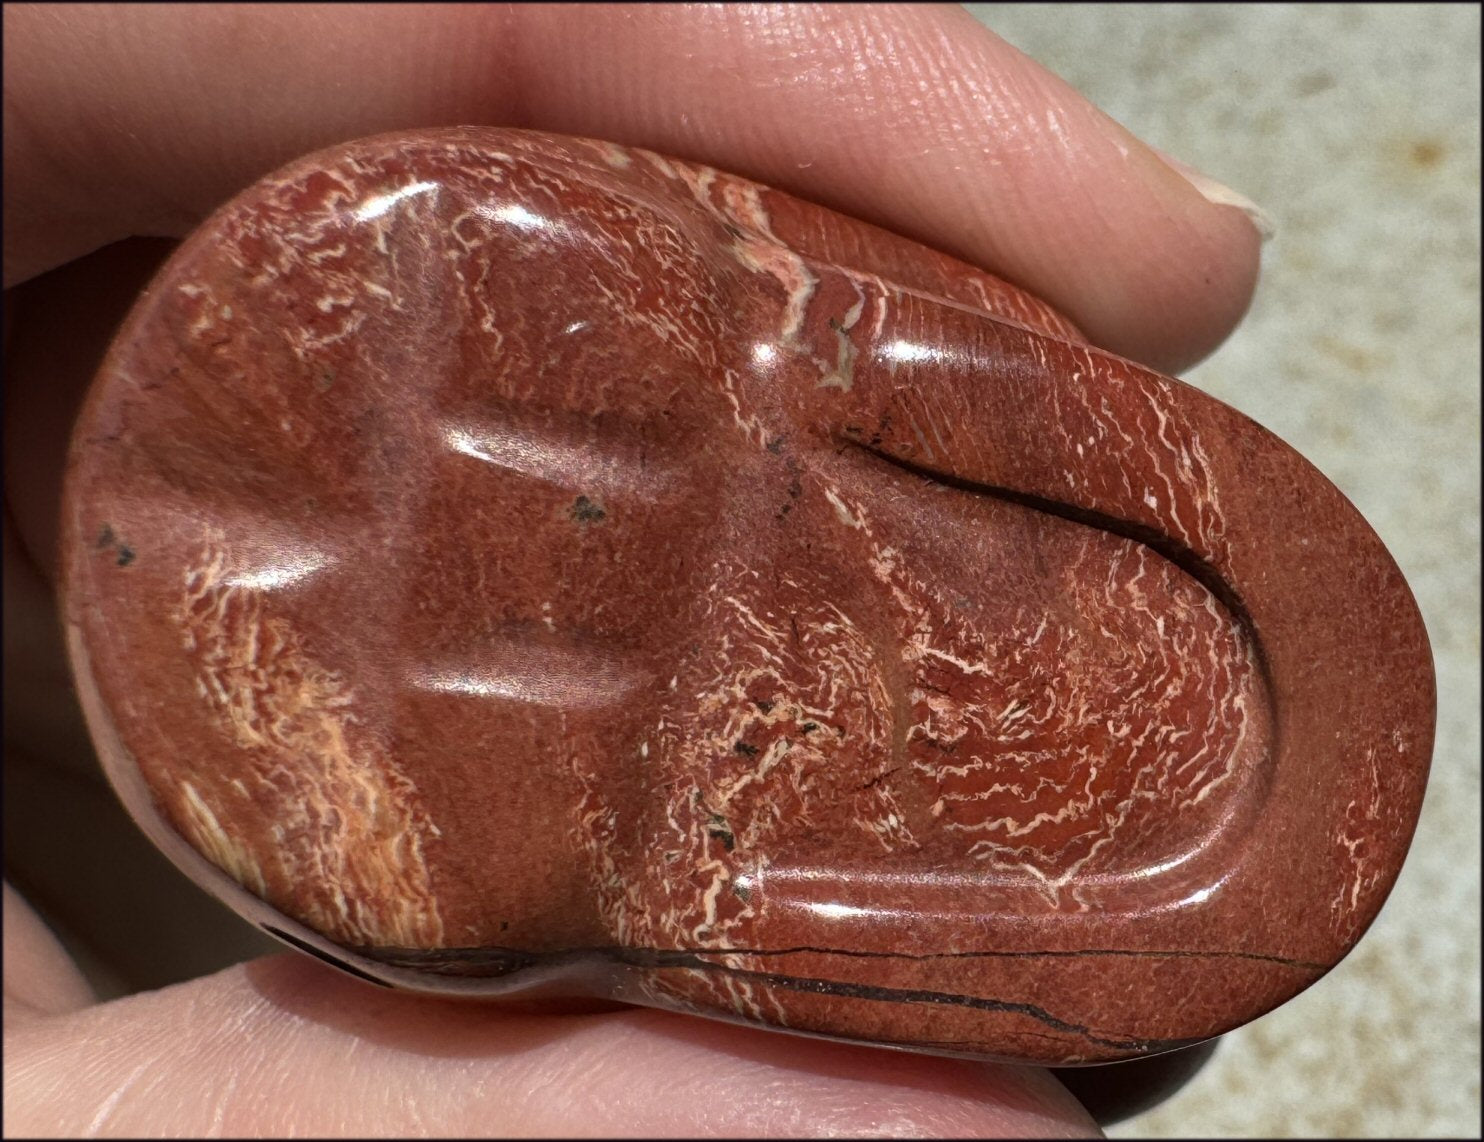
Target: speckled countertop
(1356, 128)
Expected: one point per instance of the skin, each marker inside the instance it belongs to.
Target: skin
(127, 121)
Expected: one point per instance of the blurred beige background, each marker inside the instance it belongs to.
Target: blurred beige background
(1356, 128)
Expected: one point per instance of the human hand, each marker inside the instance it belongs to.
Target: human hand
(132, 121)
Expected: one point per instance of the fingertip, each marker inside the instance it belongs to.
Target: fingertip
(1176, 300)
(1202, 270)
(1149, 262)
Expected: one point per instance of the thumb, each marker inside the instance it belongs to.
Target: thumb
(285, 1046)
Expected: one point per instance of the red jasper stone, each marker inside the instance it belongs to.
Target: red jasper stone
(511, 564)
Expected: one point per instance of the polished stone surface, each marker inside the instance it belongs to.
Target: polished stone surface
(528, 563)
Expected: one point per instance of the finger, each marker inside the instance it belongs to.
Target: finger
(916, 118)
(40, 977)
(285, 1046)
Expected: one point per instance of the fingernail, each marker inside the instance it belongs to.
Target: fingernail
(1220, 193)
